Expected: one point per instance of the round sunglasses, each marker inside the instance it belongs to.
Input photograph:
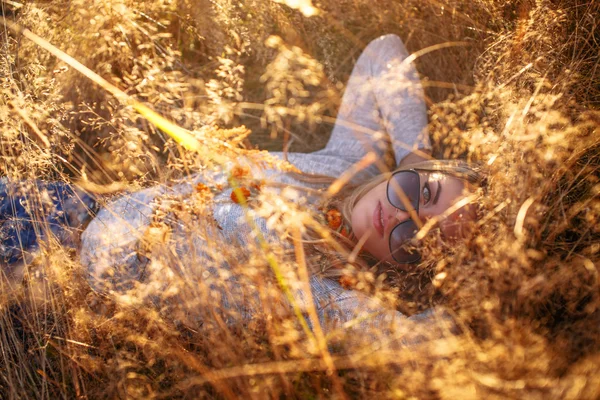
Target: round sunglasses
(404, 187)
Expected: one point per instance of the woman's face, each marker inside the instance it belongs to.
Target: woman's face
(373, 215)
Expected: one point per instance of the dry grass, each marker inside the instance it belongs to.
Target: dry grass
(520, 96)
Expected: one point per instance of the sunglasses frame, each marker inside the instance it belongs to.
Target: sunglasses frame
(416, 257)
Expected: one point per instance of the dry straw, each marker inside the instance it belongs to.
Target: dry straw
(519, 96)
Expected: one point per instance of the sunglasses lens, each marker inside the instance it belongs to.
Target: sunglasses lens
(409, 183)
(400, 247)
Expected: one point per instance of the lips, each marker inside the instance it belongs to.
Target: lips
(378, 219)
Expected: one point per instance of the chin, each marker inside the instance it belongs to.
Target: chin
(360, 225)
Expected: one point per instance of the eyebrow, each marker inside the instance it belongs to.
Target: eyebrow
(437, 195)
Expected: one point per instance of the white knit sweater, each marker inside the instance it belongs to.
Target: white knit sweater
(382, 105)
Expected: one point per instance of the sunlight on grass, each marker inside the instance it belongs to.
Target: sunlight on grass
(167, 106)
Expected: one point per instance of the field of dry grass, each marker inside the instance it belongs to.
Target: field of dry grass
(514, 85)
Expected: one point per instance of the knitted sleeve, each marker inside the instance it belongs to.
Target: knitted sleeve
(382, 106)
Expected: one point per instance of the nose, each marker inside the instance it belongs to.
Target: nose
(401, 216)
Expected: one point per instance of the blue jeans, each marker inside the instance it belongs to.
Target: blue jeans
(33, 211)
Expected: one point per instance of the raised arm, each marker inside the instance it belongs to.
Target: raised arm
(383, 105)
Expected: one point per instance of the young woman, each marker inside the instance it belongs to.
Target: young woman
(382, 111)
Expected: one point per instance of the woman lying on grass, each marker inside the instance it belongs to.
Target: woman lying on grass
(147, 239)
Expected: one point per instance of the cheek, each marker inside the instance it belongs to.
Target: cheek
(458, 224)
